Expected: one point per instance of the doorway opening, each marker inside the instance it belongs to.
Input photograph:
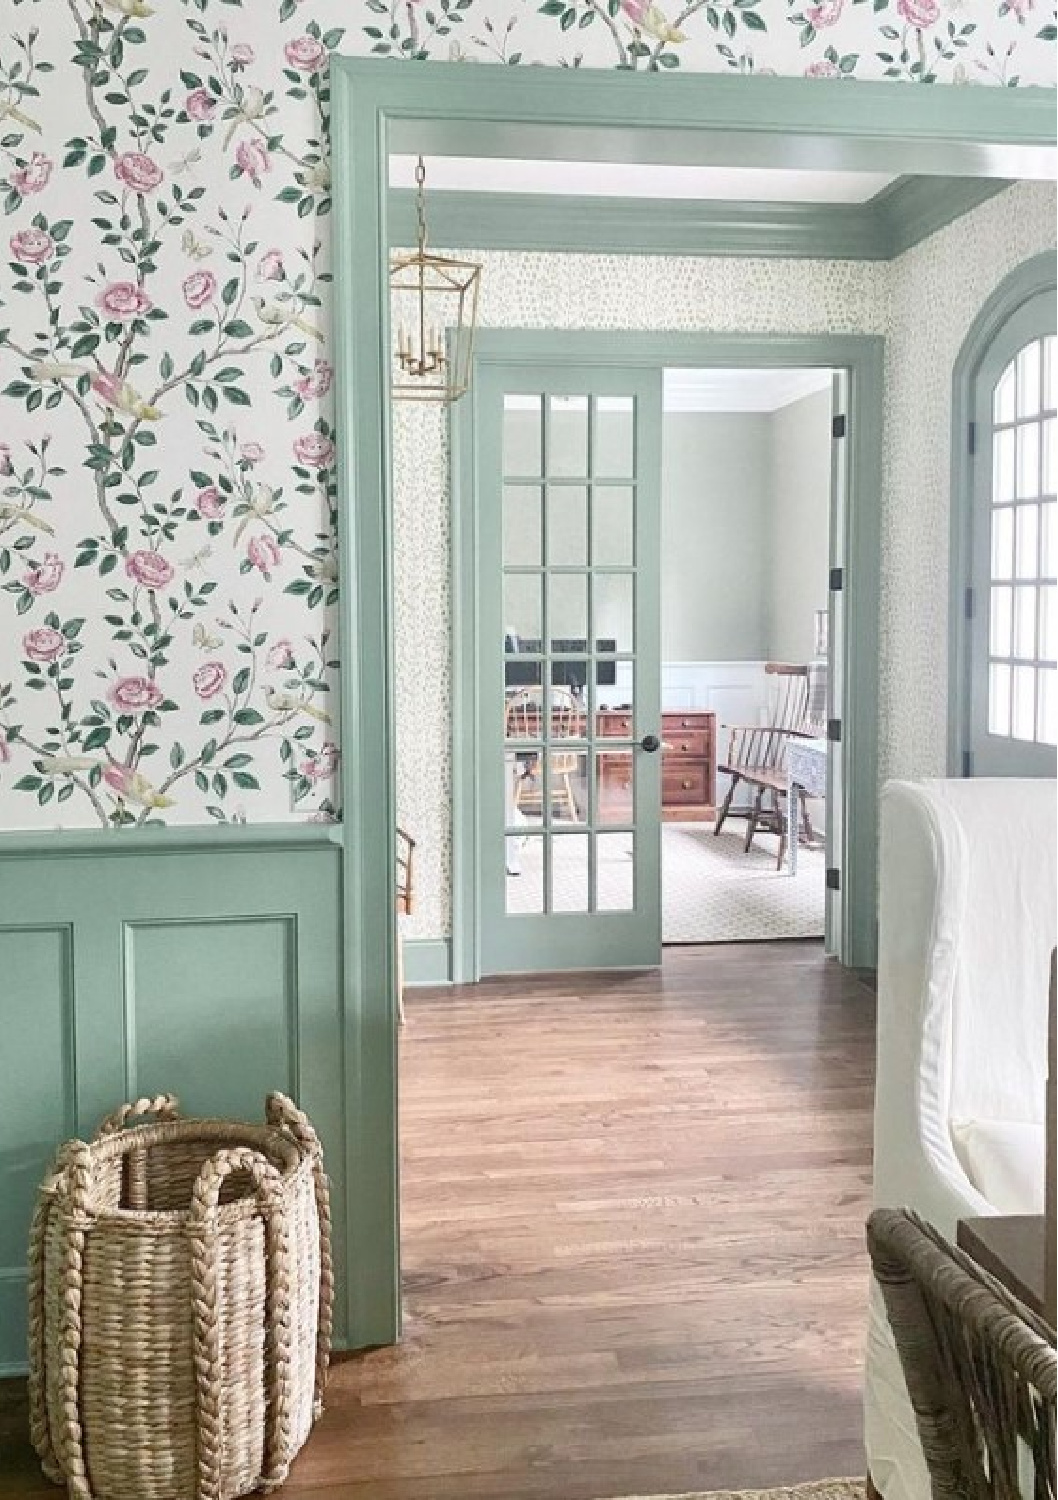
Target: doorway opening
(746, 506)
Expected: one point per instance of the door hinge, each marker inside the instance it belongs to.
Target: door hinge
(837, 580)
(839, 425)
(833, 878)
(971, 438)
(969, 603)
(967, 763)
(834, 730)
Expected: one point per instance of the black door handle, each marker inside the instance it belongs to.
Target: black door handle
(650, 743)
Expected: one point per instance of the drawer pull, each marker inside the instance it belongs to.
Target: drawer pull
(685, 747)
(686, 785)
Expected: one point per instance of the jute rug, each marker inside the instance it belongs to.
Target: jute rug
(823, 1489)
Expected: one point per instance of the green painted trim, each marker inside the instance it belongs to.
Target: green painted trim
(913, 208)
(886, 225)
(863, 357)
(226, 838)
(617, 115)
(371, 1291)
(614, 115)
(427, 961)
(578, 224)
(1023, 283)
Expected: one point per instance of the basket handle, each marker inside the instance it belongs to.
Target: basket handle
(165, 1106)
(204, 1234)
(285, 1115)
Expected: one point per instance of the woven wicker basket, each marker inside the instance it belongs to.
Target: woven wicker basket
(180, 1305)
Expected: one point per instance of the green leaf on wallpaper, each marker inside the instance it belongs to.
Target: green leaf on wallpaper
(96, 738)
(248, 717)
(236, 395)
(1048, 33)
(246, 782)
(27, 784)
(754, 22)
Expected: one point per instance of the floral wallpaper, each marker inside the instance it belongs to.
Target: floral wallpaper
(167, 485)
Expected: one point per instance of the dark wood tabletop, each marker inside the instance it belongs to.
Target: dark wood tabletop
(1013, 1248)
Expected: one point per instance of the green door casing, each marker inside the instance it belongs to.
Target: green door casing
(567, 485)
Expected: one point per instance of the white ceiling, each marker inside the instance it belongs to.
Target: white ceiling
(740, 390)
(631, 180)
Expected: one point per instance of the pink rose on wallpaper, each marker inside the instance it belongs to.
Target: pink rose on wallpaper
(270, 266)
(138, 171)
(242, 55)
(314, 450)
(6, 466)
(34, 176)
(264, 554)
(5, 750)
(200, 105)
(107, 386)
(119, 777)
(46, 578)
(149, 568)
(822, 69)
(281, 656)
(44, 644)
(210, 503)
(209, 678)
(251, 453)
(920, 13)
(317, 382)
(123, 300)
(199, 288)
(305, 53)
(322, 765)
(826, 13)
(134, 695)
(253, 159)
(32, 246)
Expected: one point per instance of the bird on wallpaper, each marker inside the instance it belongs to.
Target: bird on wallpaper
(252, 106)
(23, 513)
(290, 703)
(9, 111)
(65, 765)
(133, 786)
(276, 315)
(119, 394)
(648, 17)
(135, 9)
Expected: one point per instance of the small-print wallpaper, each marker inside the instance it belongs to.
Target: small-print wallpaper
(167, 483)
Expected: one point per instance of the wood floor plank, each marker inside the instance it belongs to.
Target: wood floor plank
(633, 1211)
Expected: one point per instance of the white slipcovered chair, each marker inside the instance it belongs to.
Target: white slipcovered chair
(966, 927)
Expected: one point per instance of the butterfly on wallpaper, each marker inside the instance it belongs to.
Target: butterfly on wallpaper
(194, 247)
(185, 163)
(197, 559)
(203, 640)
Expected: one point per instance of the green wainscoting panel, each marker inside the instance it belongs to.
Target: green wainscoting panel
(207, 967)
(427, 961)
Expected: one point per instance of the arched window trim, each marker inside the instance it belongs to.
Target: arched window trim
(1020, 286)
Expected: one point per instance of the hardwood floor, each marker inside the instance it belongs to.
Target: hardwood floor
(633, 1241)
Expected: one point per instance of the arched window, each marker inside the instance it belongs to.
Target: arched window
(1009, 646)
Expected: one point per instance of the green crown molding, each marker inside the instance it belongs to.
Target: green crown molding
(882, 227)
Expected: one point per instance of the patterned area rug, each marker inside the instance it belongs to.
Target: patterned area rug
(713, 892)
(825, 1489)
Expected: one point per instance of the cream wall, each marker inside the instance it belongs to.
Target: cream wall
(715, 504)
(924, 302)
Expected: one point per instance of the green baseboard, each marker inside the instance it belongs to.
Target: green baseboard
(427, 961)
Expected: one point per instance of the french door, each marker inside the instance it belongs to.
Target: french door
(1013, 687)
(567, 494)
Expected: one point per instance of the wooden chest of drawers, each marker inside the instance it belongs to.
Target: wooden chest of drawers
(688, 767)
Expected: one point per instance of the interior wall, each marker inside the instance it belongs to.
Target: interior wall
(798, 532)
(715, 499)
